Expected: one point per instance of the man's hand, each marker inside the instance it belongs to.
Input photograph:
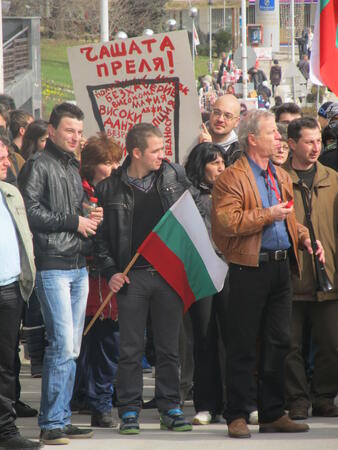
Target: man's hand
(96, 214)
(205, 135)
(280, 212)
(87, 227)
(320, 251)
(117, 281)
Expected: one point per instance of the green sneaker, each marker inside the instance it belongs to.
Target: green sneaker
(129, 423)
(174, 420)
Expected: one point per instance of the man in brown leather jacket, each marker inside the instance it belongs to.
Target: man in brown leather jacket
(254, 225)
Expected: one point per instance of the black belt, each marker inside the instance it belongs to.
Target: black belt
(273, 255)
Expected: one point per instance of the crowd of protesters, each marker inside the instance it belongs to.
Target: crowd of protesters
(264, 349)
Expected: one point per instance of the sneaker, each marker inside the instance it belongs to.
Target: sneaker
(129, 423)
(174, 420)
(57, 436)
(24, 410)
(19, 442)
(202, 418)
(253, 418)
(77, 433)
(102, 419)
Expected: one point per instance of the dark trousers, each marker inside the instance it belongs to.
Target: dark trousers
(323, 319)
(259, 308)
(148, 291)
(11, 305)
(97, 365)
(207, 315)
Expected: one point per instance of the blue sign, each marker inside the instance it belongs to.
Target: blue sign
(267, 5)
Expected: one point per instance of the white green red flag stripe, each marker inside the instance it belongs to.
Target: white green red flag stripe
(179, 248)
(324, 55)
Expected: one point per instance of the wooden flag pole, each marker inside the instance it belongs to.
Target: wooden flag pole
(109, 296)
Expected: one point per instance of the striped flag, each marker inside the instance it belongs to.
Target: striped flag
(324, 55)
(179, 248)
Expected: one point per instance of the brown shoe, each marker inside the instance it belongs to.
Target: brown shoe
(283, 425)
(239, 429)
(328, 410)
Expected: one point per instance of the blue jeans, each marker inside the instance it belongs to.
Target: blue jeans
(63, 298)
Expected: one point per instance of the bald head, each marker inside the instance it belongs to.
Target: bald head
(224, 117)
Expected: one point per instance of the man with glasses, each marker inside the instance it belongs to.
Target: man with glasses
(220, 129)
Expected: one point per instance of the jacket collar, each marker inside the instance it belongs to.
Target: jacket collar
(60, 154)
(321, 178)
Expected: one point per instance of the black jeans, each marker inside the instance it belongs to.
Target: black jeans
(323, 320)
(148, 291)
(207, 315)
(11, 305)
(259, 309)
(97, 365)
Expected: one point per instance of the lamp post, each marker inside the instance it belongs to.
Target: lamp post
(210, 3)
(224, 15)
(193, 13)
(171, 24)
(104, 22)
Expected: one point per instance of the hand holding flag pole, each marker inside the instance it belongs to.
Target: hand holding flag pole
(109, 296)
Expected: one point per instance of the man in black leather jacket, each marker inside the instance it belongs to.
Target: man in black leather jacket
(134, 198)
(52, 190)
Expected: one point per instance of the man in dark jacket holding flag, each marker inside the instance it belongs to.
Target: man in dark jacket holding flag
(134, 198)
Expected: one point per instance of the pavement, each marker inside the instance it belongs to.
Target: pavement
(323, 434)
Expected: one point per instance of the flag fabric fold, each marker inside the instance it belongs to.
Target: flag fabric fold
(179, 248)
(324, 55)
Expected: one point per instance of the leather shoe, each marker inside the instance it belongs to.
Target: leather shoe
(328, 410)
(24, 410)
(238, 429)
(102, 420)
(298, 412)
(283, 425)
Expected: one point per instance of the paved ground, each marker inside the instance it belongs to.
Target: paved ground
(322, 436)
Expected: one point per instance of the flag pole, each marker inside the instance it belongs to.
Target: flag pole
(109, 296)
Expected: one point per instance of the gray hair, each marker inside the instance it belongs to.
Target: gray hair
(250, 124)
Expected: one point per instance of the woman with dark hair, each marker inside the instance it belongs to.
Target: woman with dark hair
(35, 138)
(204, 164)
(97, 363)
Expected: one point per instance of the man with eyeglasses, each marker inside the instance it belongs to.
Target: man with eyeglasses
(220, 129)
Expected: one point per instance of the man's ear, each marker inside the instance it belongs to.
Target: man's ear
(251, 140)
(292, 143)
(51, 130)
(136, 153)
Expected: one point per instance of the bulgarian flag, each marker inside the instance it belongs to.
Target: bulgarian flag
(179, 248)
(324, 55)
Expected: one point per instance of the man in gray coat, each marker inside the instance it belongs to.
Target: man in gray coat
(17, 275)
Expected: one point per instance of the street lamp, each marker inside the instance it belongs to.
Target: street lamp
(171, 24)
(210, 3)
(121, 35)
(193, 14)
(147, 32)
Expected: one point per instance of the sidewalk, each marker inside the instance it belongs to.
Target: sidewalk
(322, 436)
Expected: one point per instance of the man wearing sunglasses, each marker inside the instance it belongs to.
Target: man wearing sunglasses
(220, 129)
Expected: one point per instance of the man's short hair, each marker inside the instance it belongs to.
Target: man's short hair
(295, 127)
(65, 110)
(138, 136)
(250, 124)
(18, 119)
(7, 101)
(275, 61)
(291, 108)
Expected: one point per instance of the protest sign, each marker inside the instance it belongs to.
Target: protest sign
(144, 79)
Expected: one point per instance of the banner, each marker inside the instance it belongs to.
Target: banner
(144, 79)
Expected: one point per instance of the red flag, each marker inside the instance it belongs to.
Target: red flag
(329, 43)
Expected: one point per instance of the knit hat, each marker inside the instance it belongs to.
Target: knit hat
(322, 111)
(332, 111)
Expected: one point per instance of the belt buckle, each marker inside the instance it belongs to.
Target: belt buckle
(280, 255)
